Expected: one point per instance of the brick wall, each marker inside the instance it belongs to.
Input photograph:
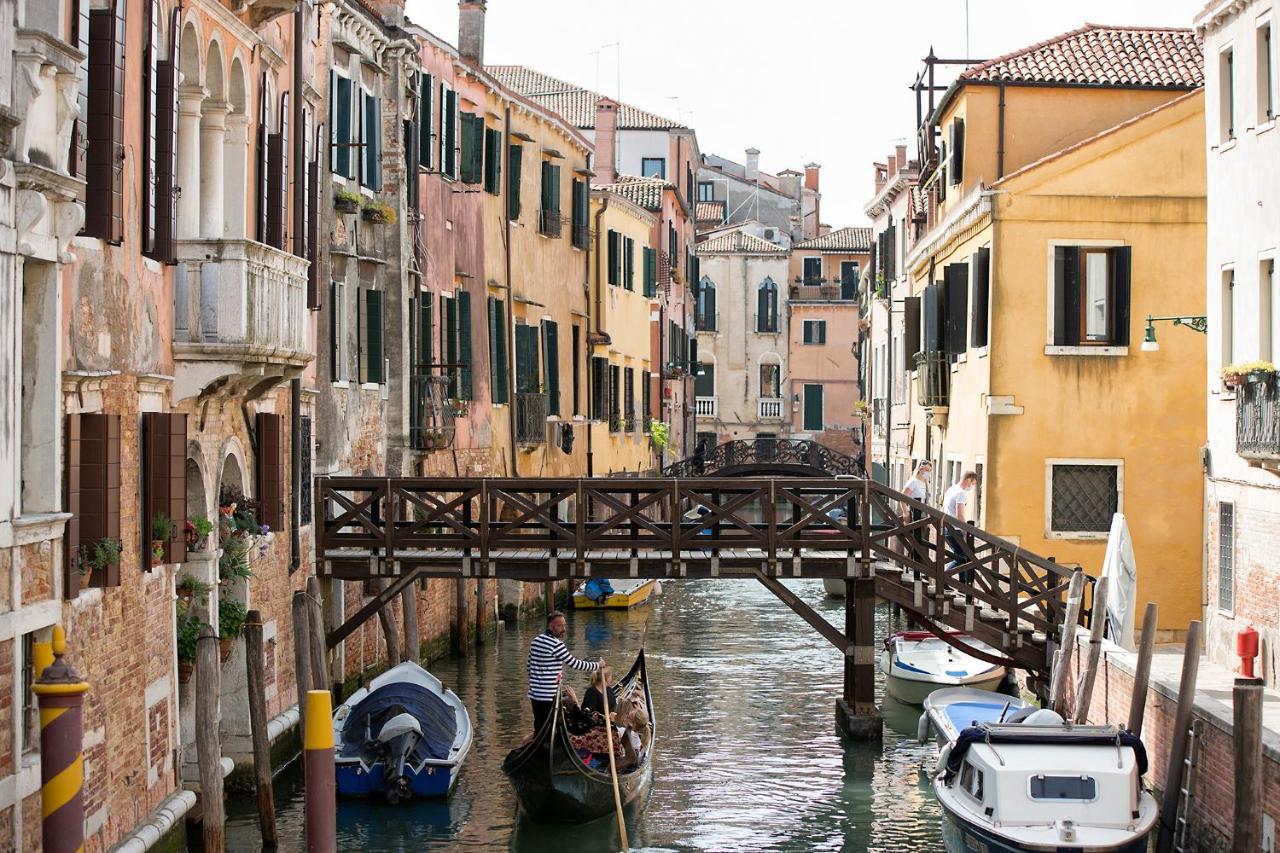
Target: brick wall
(1256, 577)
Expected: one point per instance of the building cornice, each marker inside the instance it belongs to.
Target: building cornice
(975, 208)
(902, 182)
(1217, 14)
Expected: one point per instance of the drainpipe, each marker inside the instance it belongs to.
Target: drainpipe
(888, 390)
(1000, 138)
(598, 288)
(295, 473)
(599, 313)
(510, 321)
(299, 236)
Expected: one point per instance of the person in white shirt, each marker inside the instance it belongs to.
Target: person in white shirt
(956, 503)
(917, 488)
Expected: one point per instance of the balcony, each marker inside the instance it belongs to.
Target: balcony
(709, 322)
(549, 222)
(1258, 421)
(431, 415)
(878, 412)
(531, 419)
(706, 407)
(239, 312)
(579, 234)
(770, 408)
(933, 379)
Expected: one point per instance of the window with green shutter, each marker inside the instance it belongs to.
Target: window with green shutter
(374, 371)
(497, 351)
(629, 263)
(581, 202)
(464, 345)
(449, 330)
(448, 131)
(576, 354)
(599, 387)
(650, 272)
(551, 364)
(472, 148)
(528, 380)
(515, 152)
(615, 274)
(645, 400)
(340, 121)
(492, 161)
(371, 152)
(426, 132)
(549, 215)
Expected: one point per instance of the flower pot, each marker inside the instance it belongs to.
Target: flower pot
(157, 551)
(226, 644)
(186, 594)
(1258, 375)
(1232, 380)
(344, 205)
(185, 668)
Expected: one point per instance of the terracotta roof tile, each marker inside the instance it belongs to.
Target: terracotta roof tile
(739, 243)
(576, 104)
(646, 192)
(1096, 55)
(841, 240)
(709, 212)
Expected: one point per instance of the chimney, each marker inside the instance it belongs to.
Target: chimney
(811, 176)
(471, 30)
(881, 179)
(606, 163)
(894, 165)
(900, 152)
(391, 12)
(753, 164)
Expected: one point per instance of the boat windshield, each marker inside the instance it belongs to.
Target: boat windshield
(1079, 788)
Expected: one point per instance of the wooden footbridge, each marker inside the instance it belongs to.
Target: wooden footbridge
(882, 543)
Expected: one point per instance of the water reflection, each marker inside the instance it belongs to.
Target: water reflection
(747, 757)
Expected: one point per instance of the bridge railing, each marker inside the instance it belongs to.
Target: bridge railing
(773, 453)
(365, 524)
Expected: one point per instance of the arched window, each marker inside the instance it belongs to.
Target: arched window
(767, 307)
(706, 316)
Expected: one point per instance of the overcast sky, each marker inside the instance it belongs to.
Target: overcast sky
(803, 80)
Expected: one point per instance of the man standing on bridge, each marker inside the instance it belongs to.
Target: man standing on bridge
(547, 657)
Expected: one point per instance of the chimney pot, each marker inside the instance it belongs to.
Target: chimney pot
(471, 30)
(753, 164)
(811, 176)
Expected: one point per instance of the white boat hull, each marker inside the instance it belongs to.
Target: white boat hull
(834, 587)
(915, 664)
(915, 692)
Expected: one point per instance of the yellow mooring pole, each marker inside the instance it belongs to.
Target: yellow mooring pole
(321, 787)
(60, 694)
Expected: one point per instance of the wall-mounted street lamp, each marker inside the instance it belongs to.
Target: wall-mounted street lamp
(1194, 323)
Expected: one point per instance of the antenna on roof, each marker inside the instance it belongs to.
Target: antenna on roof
(966, 28)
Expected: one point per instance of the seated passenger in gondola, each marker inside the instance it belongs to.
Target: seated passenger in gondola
(593, 699)
(577, 720)
(634, 722)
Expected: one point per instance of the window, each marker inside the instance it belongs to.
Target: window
(92, 495)
(628, 263)
(981, 297)
(956, 171)
(614, 250)
(164, 442)
(456, 343)
(646, 405)
(426, 136)
(706, 191)
(1226, 556)
(104, 163)
(767, 307)
(1083, 497)
(653, 167)
(269, 470)
(1077, 788)
(551, 360)
(277, 197)
(371, 150)
(528, 379)
(705, 318)
(1091, 295)
(813, 415)
(166, 149)
(341, 117)
(815, 331)
(599, 387)
(549, 214)
(448, 131)
(629, 398)
(371, 360)
(497, 351)
(515, 152)
(615, 379)
(971, 781)
(976, 511)
(471, 165)
(650, 272)
(30, 708)
(1228, 325)
(150, 109)
(770, 381)
(1267, 325)
(1226, 96)
(577, 369)
(337, 331)
(812, 271)
(580, 227)
(1266, 76)
(304, 463)
(849, 275)
(954, 307)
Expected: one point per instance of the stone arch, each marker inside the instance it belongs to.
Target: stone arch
(771, 357)
(236, 151)
(232, 470)
(189, 52)
(213, 75)
(198, 502)
(236, 86)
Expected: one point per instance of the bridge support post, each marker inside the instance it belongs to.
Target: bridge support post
(857, 716)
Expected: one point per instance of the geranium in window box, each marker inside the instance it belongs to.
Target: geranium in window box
(161, 533)
(378, 213)
(345, 201)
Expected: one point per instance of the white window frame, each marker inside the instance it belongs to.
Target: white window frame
(1261, 122)
(1216, 544)
(1093, 535)
(1050, 348)
(1268, 292)
(804, 332)
(1226, 131)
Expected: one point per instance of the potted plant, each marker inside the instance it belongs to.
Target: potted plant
(1257, 371)
(98, 555)
(345, 201)
(197, 532)
(861, 409)
(187, 637)
(234, 563)
(659, 435)
(188, 587)
(458, 407)
(377, 212)
(231, 616)
(161, 533)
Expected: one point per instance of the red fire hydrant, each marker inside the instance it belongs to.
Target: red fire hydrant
(1247, 649)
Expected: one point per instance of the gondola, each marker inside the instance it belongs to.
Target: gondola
(554, 785)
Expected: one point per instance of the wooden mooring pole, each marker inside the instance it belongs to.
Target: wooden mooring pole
(321, 786)
(258, 727)
(1178, 742)
(1062, 660)
(387, 618)
(301, 656)
(412, 637)
(315, 635)
(60, 695)
(1084, 695)
(1246, 732)
(1142, 672)
(208, 743)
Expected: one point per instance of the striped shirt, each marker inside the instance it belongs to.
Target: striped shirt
(547, 657)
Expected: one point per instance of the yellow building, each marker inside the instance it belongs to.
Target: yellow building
(623, 273)
(1065, 208)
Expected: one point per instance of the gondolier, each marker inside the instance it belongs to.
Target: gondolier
(547, 659)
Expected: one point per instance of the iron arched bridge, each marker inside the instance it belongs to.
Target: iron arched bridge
(767, 457)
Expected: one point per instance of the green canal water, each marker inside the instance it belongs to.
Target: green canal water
(747, 757)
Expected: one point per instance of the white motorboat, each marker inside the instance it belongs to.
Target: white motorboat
(1014, 778)
(834, 587)
(916, 663)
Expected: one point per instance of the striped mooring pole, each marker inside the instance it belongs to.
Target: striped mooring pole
(60, 694)
(322, 788)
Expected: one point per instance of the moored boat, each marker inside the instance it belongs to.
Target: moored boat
(1011, 777)
(554, 784)
(402, 736)
(916, 663)
(613, 596)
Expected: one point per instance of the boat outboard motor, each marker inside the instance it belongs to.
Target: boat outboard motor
(398, 737)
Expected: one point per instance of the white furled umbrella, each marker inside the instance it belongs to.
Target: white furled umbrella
(1119, 566)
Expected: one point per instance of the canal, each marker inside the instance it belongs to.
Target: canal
(747, 757)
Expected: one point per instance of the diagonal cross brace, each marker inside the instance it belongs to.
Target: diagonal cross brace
(393, 590)
(833, 634)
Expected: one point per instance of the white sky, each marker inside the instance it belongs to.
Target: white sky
(805, 80)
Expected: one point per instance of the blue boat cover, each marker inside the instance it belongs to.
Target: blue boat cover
(966, 714)
(981, 734)
(437, 718)
(598, 589)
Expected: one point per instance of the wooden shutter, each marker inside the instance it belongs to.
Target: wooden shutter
(93, 493)
(150, 131)
(164, 459)
(79, 148)
(957, 302)
(362, 359)
(282, 200)
(613, 256)
(515, 152)
(929, 308)
(629, 394)
(551, 358)
(981, 296)
(313, 226)
(271, 470)
(371, 151)
(166, 155)
(492, 160)
(342, 135)
(599, 387)
(472, 170)
(426, 332)
(614, 382)
(497, 351)
(910, 329)
(335, 369)
(645, 405)
(277, 179)
(1122, 261)
(464, 345)
(426, 139)
(262, 193)
(629, 264)
(650, 272)
(1066, 295)
(449, 132)
(373, 339)
(104, 169)
(957, 151)
(545, 202)
(576, 355)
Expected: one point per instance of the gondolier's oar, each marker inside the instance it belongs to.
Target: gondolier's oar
(613, 768)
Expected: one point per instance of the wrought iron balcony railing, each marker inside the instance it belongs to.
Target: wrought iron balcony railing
(431, 415)
(706, 322)
(549, 222)
(933, 378)
(531, 418)
(1258, 419)
(579, 234)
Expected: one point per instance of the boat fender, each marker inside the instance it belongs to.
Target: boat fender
(943, 755)
(922, 729)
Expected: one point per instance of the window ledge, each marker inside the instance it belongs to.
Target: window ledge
(39, 527)
(340, 383)
(1263, 128)
(370, 386)
(981, 352)
(1227, 146)
(1080, 535)
(1053, 349)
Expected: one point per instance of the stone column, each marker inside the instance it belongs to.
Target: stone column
(190, 99)
(213, 132)
(235, 156)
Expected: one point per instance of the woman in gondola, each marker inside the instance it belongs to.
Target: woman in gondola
(593, 699)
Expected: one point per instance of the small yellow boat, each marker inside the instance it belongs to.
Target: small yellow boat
(625, 595)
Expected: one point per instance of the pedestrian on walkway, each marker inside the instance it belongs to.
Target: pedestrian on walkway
(955, 503)
(547, 659)
(917, 488)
